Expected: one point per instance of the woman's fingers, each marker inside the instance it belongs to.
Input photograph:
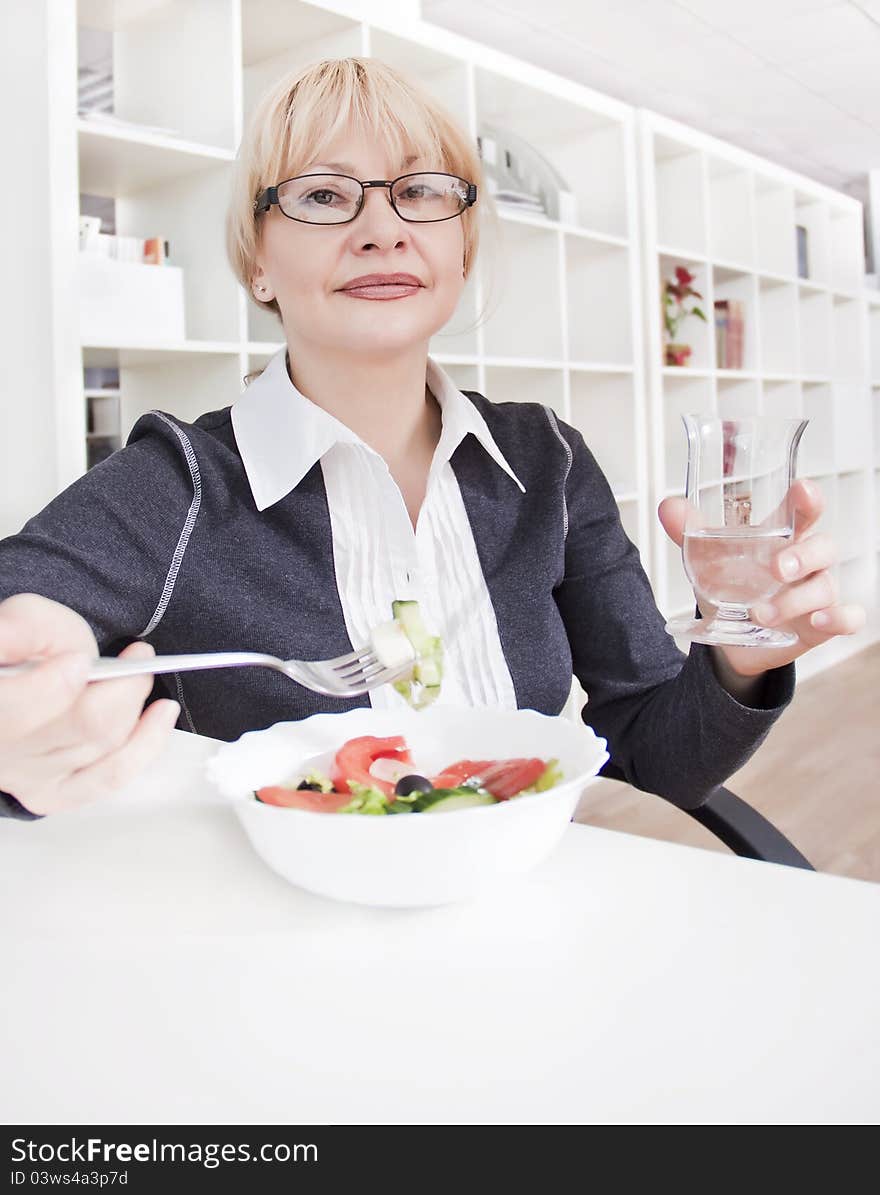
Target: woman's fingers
(838, 620)
(815, 593)
(39, 695)
(812, 554)
(53, 794)
(118, 767)
(102, 718)
(33, 627)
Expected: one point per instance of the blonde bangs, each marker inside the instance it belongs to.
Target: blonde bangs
(303, 113)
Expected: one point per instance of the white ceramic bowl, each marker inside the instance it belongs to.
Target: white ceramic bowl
(422, 859)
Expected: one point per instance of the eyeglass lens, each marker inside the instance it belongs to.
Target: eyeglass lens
(335, 198)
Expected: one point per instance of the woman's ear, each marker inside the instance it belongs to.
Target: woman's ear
(262, 292)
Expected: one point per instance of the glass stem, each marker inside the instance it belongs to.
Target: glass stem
(731, 612)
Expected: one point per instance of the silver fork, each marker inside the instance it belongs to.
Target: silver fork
(350, 675)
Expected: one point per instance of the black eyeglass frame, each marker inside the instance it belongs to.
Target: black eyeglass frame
(269, 196)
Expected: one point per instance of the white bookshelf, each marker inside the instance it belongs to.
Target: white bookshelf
(730, 218)
(872, 303)
(574, 321)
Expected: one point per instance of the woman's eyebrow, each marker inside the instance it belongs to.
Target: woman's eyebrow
(347, 168)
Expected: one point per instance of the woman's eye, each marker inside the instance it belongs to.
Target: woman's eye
(322, 196)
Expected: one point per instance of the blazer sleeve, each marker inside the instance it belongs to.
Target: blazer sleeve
(105, 546)
(670, 725)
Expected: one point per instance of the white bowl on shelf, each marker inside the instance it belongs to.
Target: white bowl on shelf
(420, 859)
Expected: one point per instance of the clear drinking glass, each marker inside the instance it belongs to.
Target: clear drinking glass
(740, 514)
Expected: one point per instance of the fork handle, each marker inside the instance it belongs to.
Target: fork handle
(111, 668)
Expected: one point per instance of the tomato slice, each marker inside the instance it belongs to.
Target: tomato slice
(457, 773)
(353, 761)
(503, 778)
(507, 777)
(303, 798)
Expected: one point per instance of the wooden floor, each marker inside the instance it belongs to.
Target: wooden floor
(816, 777)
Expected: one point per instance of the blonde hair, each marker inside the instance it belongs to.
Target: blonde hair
(301, 113)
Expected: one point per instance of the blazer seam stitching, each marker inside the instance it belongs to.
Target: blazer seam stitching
(569, 456)
(186, 532)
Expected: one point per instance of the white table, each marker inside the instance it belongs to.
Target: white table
(157, 972)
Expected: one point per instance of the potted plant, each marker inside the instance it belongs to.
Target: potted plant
(675, 309)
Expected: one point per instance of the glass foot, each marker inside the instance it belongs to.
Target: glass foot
(729, 633)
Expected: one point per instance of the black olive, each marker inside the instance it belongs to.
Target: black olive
(314, 788)
(412, 784)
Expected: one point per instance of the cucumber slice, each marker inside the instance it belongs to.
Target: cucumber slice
(392, 644)
(422, 686)
(446, 800)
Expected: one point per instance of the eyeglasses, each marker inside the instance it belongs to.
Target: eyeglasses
(337, 198)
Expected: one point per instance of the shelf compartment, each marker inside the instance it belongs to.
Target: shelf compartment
(681, 396)
(874, 339)
(847, 357)
(279, 37)
(781, 397)
(680, 187)
(738, 398)
(731, 213)
(847, 251)
(545, 386)
(445, 78)
(814, 332)
(732, 284)
(693, 331)
(854, 514)
(599, 306)
(119, 356)
(778, 327)
(198, 385)
(856, 582)
(852, 413)
(812, 214)
(272, 30)
(465, 377)
(774, 229)
(190, 213)
(603, 409)
(527, 319)
(816, 451)
(152, 48)
(585, 146)
(115, 164)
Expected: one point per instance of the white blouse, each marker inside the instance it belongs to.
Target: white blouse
(378, 557)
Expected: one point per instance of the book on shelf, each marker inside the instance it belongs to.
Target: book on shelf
(141, 250)
(803, 259)
(729, 324)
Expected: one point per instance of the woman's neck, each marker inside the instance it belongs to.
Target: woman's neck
(386, 403)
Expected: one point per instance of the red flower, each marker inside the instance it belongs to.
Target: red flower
(683, 277)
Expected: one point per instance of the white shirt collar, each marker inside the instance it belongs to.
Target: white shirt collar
(281, 434)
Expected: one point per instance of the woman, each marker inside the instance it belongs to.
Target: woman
(353, 472)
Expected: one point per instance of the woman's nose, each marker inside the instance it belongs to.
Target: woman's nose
(377, 222)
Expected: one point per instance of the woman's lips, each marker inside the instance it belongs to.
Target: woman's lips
(385, 290)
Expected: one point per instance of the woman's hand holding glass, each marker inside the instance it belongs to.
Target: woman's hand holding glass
(807, 600)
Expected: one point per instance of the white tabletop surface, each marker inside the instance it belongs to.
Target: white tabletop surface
(157, 972)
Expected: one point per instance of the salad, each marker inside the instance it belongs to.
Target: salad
(371, 775)
(405, 638)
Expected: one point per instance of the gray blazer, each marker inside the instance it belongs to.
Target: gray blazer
(162, 541)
